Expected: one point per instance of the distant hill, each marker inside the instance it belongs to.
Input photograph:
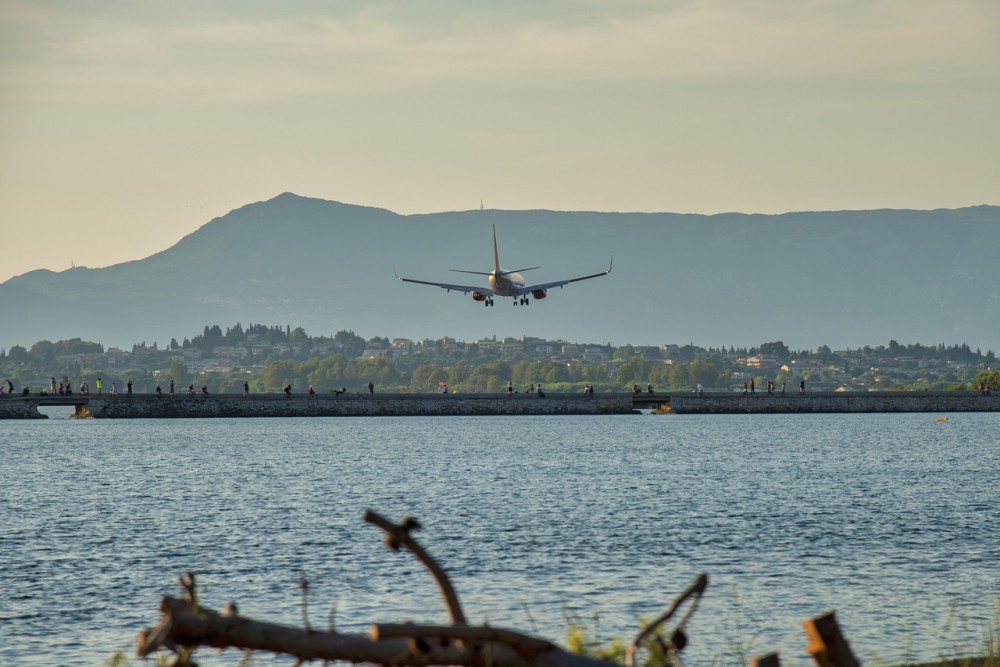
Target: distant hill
(844, 279)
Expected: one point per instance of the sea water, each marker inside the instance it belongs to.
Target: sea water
(893, 521)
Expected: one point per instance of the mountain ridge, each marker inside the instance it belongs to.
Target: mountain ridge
(842, 278)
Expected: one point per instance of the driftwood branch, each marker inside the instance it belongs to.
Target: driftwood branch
(525, 645)
(184, 625)
(397, 536)
(678, 640)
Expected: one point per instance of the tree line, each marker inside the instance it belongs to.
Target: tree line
(307, 360)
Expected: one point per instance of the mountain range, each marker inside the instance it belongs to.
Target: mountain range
(842, 278)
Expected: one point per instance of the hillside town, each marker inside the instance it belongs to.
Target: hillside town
(269, 358)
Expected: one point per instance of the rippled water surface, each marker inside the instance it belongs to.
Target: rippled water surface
(891, 520)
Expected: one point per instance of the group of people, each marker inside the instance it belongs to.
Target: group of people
(64, 388)
(159, 390)
(311, 391)
(771, 388)
(533, 389)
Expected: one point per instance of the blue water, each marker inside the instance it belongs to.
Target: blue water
(891, 520)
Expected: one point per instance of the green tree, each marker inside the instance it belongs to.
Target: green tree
(536, 372)
(329, 373)
(776, 349)
(275, 376)
(659, 376)
(624, 352)
(178, 372)
(231, 383)
(210, 337)
(353, 345)
(688, 353)
(636, 370)
(987, 378)
(557, 373)
(425, 378)
(524, 372)
(680, 377)
(43, 353)
(489, 376)
(380, 370)
(457, 375)
(703, 371)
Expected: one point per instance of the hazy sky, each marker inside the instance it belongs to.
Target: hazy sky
(125, 125)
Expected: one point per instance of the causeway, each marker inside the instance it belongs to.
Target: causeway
(151, 406)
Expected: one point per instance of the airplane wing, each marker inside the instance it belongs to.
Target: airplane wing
(527, 289)
(465, 289)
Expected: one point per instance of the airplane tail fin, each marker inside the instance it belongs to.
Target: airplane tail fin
(496, 253)
(497, 271)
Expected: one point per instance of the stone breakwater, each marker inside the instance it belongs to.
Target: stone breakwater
(149, 406)
(18, 408)
(847, 401)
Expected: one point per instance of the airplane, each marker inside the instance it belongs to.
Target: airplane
(505, 283)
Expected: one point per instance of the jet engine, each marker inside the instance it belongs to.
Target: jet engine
(477, 296)
(539, 294)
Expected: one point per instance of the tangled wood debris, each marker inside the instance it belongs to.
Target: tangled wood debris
(186, 625)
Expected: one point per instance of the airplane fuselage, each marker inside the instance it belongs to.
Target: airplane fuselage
(507, 284)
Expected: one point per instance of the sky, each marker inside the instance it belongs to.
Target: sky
(128, 124)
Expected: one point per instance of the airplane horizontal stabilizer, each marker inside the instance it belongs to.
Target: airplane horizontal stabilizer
(507, 273)
(478, 273)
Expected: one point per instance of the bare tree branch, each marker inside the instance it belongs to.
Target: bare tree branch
(397, 536)
(677, 642)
